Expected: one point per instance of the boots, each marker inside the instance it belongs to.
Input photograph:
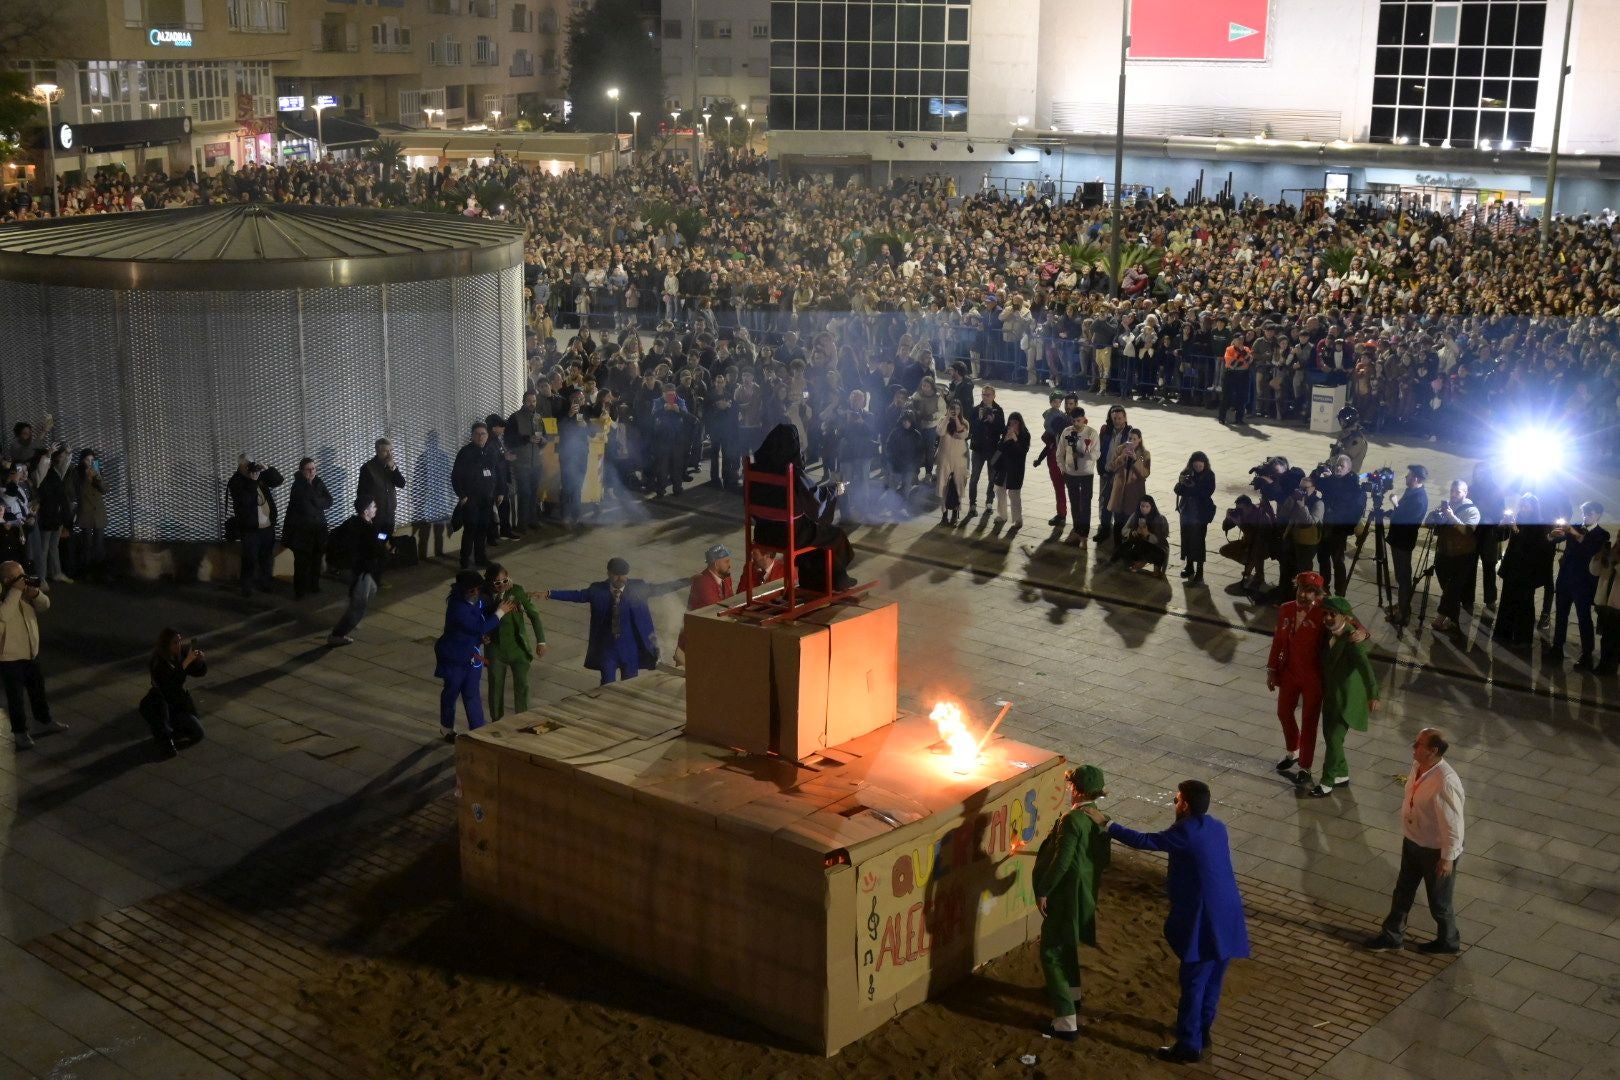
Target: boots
(1187, 571)
(1198, 574)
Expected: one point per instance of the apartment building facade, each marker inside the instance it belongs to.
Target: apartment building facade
(733, 52)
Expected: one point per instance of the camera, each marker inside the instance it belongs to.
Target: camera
(1379, 481)
(33, 581)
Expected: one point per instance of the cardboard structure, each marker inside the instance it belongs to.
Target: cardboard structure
(793, 688)
(820, 900)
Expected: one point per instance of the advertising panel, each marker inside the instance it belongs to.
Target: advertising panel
(1199, 29)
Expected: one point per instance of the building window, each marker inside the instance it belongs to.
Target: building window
(1459, 74)
(672, 29)
(759, 31)
(881, 66)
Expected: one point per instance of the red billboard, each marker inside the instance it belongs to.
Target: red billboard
(1199, 29)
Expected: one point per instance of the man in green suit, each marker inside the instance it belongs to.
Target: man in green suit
(1068, 871)
(1349, 691)
(510, 647)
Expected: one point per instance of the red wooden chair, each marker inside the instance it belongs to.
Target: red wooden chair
(772, 608)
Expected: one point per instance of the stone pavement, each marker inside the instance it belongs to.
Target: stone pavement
(1154, 680)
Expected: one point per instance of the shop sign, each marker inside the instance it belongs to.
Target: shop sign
(324, 101)
(290, 103)
(180, 39)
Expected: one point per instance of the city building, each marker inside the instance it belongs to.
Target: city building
(203, 83)
(733, 52)
(1451, 100)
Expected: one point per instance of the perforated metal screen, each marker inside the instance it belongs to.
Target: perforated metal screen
(170, 386)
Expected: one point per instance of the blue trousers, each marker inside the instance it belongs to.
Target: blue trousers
(616, 667)
(463, 683)
(1200, 994)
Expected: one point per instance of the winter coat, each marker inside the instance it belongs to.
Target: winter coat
(1129, 483)
(1348, 682)
(1195, 497)
(90, 496)
(304, 526)
(1007, 466)
(1077, 452)
(1605, 566)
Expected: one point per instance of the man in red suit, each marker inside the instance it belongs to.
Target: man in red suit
(709, 587)
(763, 568)
(1294, 670)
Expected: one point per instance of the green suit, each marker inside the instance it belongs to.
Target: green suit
(1068, 871)
(511, 648)
(1348, 684)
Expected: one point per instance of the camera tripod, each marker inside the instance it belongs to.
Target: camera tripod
(1382, 578)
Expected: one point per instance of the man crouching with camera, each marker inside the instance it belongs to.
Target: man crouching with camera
(21, 604)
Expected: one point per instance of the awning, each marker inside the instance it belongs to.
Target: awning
(334, 130)
(474, 146)
(541, 155)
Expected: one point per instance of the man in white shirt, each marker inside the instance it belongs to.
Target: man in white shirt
(1432, 842)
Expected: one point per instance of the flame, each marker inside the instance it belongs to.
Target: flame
(963, 748)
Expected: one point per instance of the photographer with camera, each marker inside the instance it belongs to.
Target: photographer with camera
(253, 520)
(22, 601)
(1404, 521)
(168, 708)
(1195, 508)
(1077, 452)
(1301, 516)
(1455, 558)
(1275, 480)
(1343, 503)
(1576, 583)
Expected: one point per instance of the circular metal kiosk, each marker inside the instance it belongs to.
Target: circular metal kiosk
(170, 341)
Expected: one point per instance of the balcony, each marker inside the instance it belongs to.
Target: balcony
(444, 7)
(336, 43)
(482, 9)
(521, 68)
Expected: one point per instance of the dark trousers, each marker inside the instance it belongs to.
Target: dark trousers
(1234, 395)
(1455, 573)
(1105, 519)
(1419, 864)
(362, 587)
(1401, 560)
(979, 463)
(258, 557)
(1330, 560)
(1489, 552)
(1079, 492)
(616, 667)
(306, 570)
(1582, 602)
(464, 683)
(1200, 997)
(477, 521)
(19, 677)
(169, 724)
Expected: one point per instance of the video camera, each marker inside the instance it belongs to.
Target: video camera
(1379, 482)
(1266, 471)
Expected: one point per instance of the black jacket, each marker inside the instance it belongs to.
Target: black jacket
(473, 475)
(169, 682)
(307, 504)
(244, 501)
(1007, 465)
(379, 483)
(1407, 516)
(55, 510)
(1195, 496)
(1342, 499)
(986, 425)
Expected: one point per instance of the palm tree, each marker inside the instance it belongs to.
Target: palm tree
(388, 155)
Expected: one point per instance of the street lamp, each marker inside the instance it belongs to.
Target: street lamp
(613, 92)
(49, 93)
(430, 113)
(750, 134)
(320, 137)
(728, 131)
(635, 127)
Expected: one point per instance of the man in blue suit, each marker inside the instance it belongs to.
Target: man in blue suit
(622, 640)
(469, 618)
(1205, 927)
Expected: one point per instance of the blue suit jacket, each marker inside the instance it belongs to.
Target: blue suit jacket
(636, 635)
(1206, 911)
(465, 626)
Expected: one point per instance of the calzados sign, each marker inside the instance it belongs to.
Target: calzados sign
(938, 895)
(180, 39)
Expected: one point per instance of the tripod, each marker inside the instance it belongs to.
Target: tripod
(1382, 578)
(1423, 570)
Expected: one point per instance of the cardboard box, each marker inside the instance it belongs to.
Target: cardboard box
(820, 902)
(795, 688)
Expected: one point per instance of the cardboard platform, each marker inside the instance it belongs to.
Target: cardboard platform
(819, 900)
(792, 688)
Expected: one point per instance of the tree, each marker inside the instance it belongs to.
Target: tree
(389, 155)
(27, 28)
(612, 44)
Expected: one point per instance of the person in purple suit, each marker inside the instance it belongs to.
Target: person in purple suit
(1206, 928)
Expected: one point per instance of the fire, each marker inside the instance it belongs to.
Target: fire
(963, 752)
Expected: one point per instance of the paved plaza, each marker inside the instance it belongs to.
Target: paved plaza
(319, 759)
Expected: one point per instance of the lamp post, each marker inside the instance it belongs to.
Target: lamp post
(50, 93)
(728, 133)
(429, 113)
(635, 128)
(1558, 123)
(613, 92)
(320, 138)
(750, 134)
(1119, 148)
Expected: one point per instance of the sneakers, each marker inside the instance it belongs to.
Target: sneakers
(1381, 943)
(1320, 791)
(50, 726)
(1287, 764)
(339, 639)
(25, 741)
(1302, 779)
(1341, 781)
(1439, 948)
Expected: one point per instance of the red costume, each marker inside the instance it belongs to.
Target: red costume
(750, 580)
(1295, 665)
(707, 590)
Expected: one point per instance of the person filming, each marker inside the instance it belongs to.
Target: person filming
(1576, 584)
(168, 708)
(1455, 554)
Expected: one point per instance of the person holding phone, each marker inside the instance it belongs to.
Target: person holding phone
(22, 602)
(1576, 584)
(168, 707)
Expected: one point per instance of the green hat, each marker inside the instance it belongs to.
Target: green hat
(1087, 779)
(1337, 603)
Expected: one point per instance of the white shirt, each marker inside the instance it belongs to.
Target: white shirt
(1432, 810)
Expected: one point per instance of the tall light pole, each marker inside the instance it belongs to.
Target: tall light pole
(613, 92)
(635, 129)
(728, 133)
(50, 93)
(1119, 147)
(1558, 123)
(750, 134)
(697, 151)
(320, 138)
